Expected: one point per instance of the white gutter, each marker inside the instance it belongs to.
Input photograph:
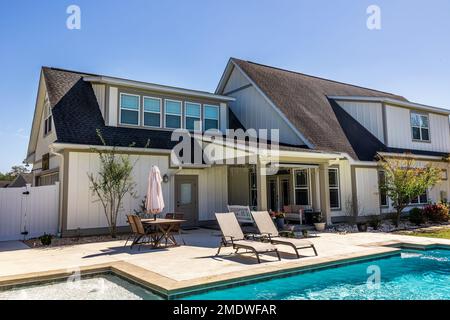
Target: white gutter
(61, 188)
(131, 150)
(396, 102)
(410, 155)
(156, 87)
(61, 146)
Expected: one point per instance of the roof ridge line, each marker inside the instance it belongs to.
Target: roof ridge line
(319, 78)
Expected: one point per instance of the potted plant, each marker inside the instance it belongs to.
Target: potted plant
(46, 239)
(279, 220)
(320, 223)
(305, 233)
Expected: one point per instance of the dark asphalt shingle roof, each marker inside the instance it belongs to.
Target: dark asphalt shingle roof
(304, 101)
(77, 116)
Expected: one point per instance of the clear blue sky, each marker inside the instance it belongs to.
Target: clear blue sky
(187, 44)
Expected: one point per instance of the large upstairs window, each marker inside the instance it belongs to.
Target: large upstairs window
(211, 117)
(420, 127)
(152, 112)
(129, 109)
(173, 114)
(192, 116)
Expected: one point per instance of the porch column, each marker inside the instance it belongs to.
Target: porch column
(261, 185)
(324, 192)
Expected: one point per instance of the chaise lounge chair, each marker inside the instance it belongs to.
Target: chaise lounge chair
(232, 235)
(267, 228)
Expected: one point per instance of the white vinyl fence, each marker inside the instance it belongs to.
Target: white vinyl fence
(28, 212)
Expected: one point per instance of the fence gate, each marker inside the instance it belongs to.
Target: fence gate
(28, 212)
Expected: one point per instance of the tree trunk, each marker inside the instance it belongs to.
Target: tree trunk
(397, 217)
(114, 231)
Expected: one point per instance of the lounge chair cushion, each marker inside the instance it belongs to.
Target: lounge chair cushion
(258, 246)
(295, 242)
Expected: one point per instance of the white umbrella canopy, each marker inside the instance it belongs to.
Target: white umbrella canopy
(155, 201)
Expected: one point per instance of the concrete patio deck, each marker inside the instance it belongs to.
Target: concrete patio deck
(175, 269)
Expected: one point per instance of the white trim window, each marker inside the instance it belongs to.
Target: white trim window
(47, 117)
(253, 188)
(129, 109)
(192, 114)
(422, 199)
(420, 127)
(172, 114)
(334, 186)
(384, 199)
(152, 112)
(301, 187)
(211, 117)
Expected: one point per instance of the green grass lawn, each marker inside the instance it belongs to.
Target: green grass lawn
(443, 233)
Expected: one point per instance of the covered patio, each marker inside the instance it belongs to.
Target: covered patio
(300, 179)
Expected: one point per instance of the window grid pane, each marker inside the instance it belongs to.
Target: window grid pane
(301, 178)
(333, 177)
(193, 110)
(173, 107)
(152, 105)
(129, 102)
(211, 112)
(173, 122)
(152, 119)
(129, 117)
(192, 123)
(211, 124)
(334, 198)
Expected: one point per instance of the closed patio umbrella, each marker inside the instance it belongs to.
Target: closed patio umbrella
(155, 201)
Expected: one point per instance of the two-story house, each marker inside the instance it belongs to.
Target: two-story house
(325, 116)
(329, 134)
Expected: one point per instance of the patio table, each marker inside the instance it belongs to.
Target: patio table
(165, 227)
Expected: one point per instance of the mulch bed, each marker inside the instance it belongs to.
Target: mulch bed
(57, 242)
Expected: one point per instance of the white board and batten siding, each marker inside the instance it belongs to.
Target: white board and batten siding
(254, 111)
(85, 212)
(345, 188)
(368, 114)
(212, 190)
(367, 191)
(36, 212)
(100, 94)
(399, 131)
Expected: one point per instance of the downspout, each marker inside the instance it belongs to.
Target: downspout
(61, 184)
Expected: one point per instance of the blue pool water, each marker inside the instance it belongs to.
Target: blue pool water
(411, 275)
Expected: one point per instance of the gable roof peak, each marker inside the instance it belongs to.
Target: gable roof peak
(238, 61)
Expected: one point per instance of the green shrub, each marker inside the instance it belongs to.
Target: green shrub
(417, 216)
(46, 239)
(436, 212)
(374, 222)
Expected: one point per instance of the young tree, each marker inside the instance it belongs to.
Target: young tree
(112, 182)
(16, 170)
(405, 180)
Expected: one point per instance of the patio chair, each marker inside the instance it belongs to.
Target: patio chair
(267, 228)
(232, 235)
(175, 229)
(140, 234)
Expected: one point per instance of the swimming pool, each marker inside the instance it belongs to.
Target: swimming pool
(408, 276)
